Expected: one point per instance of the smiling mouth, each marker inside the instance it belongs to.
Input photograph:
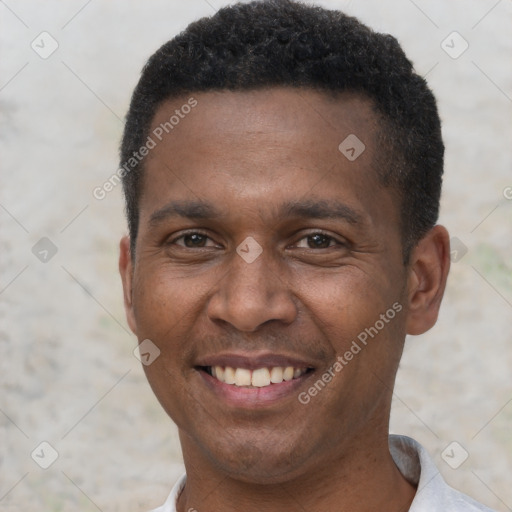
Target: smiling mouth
(257, 378)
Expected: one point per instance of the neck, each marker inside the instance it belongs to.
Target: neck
(359, 480)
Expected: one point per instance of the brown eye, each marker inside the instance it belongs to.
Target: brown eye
(316, 241)
(193, 240)
(319, 241)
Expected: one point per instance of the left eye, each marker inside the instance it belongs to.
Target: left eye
(317, 241)
(192, 240)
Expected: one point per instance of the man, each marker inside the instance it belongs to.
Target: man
(282, 173)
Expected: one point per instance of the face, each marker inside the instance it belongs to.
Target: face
(263, 246)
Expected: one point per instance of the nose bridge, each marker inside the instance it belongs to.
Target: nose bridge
(252, 292)
(252, 279)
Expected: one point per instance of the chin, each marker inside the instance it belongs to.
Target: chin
(258, 461)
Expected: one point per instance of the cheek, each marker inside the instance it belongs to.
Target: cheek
(160, 308)
(163, 302)
(346, 302)
(362, 317)
(165, 308)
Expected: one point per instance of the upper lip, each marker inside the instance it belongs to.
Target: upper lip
(253, 360)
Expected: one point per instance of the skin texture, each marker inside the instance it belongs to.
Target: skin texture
(306, 296)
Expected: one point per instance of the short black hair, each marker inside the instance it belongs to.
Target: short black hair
(271, 43)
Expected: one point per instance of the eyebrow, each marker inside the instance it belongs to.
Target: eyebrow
(322, 209)
(313, 209)
(188, 209)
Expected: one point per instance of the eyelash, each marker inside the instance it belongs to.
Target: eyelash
(188, 233)
(198, 232)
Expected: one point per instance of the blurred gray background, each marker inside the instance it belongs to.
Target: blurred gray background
(68, 374)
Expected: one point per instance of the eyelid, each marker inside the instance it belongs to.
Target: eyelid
(173, 238)
(338, 240)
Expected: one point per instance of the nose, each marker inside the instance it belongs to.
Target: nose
(252, 294)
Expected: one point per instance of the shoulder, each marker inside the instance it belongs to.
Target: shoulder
(433, 493)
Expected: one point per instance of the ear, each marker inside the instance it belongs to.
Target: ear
(126, 271)
(428, 271)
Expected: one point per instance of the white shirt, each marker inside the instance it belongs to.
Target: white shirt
(433, 494)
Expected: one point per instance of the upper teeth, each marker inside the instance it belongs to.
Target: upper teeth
(258, 378)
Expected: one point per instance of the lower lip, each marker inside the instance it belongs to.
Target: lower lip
(266, 396)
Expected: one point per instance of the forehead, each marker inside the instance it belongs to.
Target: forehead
(263, 147)
(296, 112)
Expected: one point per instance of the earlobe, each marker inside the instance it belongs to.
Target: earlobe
(126, 271)
(428, 272)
